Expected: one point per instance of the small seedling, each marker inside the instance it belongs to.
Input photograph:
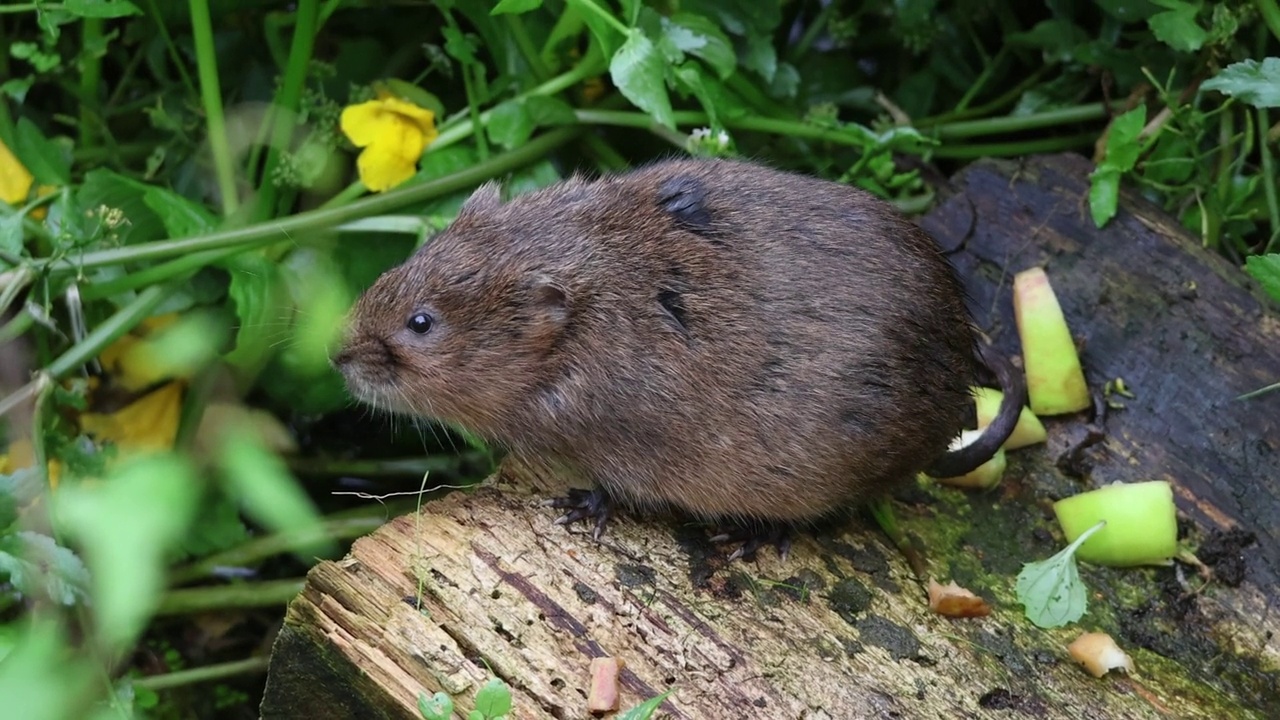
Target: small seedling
(1051, 590)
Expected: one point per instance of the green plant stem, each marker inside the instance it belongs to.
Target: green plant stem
(90, 80)
(816, 26)
(1018, 123)
(515, 24)
(1270, 13)
(154, 274)
(349, 526)
(211, 94)
(1010, 96)
(171, 47)
(987, 71)
(284, 112)
(1013, 149)
(454, 132)
(269, 593)
(595, 9)
(208, 673)
(110, 330)
(1269, 179)
(302, 224)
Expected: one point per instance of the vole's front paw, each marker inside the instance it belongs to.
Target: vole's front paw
(755, 537)
(583, 505)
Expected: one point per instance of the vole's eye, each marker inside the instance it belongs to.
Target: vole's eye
(420, 323)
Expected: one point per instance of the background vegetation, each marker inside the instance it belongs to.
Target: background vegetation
(183, 225)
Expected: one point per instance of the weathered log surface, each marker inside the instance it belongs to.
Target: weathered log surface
(841, 630)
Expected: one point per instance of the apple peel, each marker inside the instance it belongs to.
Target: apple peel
(951, 600)
(1055, 380)
(1099, 654)
(1141, 523)
(1029, 429)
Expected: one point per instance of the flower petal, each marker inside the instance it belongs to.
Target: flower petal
(364, 123)
(148, 423)
(383, 166)
(15, 179)
(423, 119)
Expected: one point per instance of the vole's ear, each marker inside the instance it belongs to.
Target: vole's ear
(486, 197)
(684, 198)
(550, 300)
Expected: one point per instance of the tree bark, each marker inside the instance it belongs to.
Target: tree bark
(482, 582)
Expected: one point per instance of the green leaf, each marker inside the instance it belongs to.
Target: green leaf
(510, 124)
(515, 7)
(268, 493)
(689, 78)
(1266, 270)
(181, 216)
(11, 234)
(100, 8)
(1050, 590)
(601, 29)
(1177, 27)
(258, 293)
(494, 699)
(42, 674)
(547, 110)
(106, 187)
(127, 525)
(639, 72)
(218, 527)
(646, 709)
(42, 157)
(39, 567)
(630, 12)
(436, 707)
(702, 38)
(1249, 81)
(1123, 148)
(1128, 10)
(1104, 194)
(461, 47)
(761, 57)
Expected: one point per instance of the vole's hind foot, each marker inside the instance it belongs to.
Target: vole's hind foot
(755, 537)
(584, 505)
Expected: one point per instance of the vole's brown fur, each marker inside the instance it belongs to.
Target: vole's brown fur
(712, 336)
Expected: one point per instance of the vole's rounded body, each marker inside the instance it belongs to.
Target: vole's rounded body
(712, 336)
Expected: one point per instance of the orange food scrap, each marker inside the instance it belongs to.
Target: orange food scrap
(604, 695)
(951, 600)
(1099, 654)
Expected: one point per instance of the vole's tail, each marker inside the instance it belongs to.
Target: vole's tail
(1014, 387)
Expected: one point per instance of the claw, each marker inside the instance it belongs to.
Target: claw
(584, 505)
(756, 537)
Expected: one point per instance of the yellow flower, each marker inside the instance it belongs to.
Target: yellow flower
(20, 455)
(133, 361)
(148, 424)
(15, 179)
(393, 133)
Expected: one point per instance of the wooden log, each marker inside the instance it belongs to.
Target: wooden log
(482, 582)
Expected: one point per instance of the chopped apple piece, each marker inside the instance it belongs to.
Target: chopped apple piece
(1055, 381)
(1141, 529)
(603, 695)
(1099, 654)
(987, 475)
(951, 600)
(1029, 429)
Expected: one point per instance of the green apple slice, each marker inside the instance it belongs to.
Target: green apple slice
(985, 476)
(1055, 381)
(1141, 529)
(1029, 429)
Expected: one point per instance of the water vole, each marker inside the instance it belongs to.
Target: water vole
(712, 336)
